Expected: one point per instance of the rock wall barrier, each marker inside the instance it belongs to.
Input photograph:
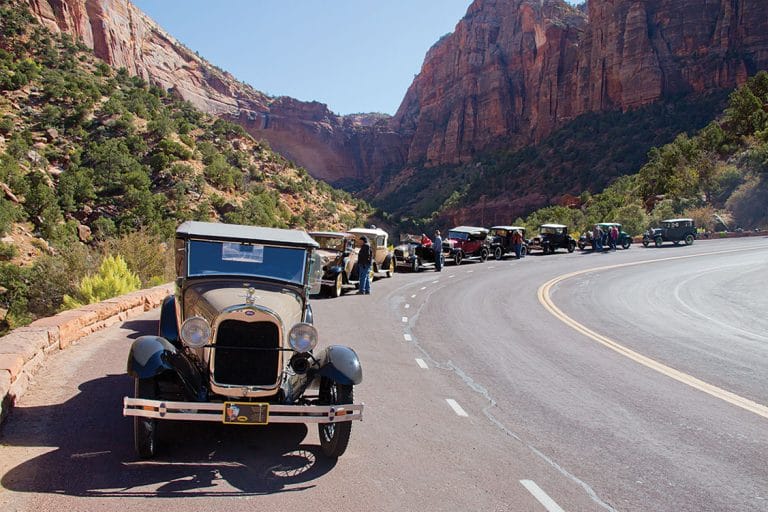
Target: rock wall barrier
(23, 350)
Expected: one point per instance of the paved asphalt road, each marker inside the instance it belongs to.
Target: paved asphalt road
(656, 403)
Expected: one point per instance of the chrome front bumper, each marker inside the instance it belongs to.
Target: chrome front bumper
(214, 411)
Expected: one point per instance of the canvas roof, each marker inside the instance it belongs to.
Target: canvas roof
(237, 232)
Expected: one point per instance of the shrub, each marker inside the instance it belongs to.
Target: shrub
(145, 253)
(113, 279)
(51, 277)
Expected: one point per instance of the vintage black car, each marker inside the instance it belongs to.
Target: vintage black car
(464, 242)
(501, 241)
(415, 252)
(586, 240)
(338, 258)
(552, 237)
(236, 344)
(671, 230)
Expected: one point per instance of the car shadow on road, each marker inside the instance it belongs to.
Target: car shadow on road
(141, 327)
(93, 455)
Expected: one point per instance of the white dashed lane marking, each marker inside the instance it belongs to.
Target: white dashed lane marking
(422, 364)
(451, 276)
(435, 281)
(456, 407)
(423, 287)
(407, 337)
(541, 496)
(405, 319)
(407, 306)
(413, 296)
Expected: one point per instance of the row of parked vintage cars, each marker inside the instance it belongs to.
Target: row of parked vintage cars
(339, 250)
(236, 342)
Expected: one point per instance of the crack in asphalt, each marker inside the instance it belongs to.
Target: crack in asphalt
(485, 394)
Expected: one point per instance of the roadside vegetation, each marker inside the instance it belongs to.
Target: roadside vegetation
(716, 174)
(98, 164)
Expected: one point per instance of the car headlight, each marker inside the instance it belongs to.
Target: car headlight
(195, 332)
(303, 337)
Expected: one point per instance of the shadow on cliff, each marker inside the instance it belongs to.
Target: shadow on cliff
(93, 452)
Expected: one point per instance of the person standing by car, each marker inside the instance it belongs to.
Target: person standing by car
(364, 266)
(517, 243)
(614, 237)
(437, 245)
(597, 235)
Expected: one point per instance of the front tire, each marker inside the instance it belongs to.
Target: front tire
(571, 247)
(391, 269)
(415, 265)
(457, 258)
(334, 437)
(626, 243)
(658, 242)
(483, 255)
(498, 253)
(646, 243)
(145, 429)
(337, 289)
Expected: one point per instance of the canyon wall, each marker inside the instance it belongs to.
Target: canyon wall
(510, 73)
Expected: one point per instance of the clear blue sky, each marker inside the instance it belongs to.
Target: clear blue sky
(354, 55)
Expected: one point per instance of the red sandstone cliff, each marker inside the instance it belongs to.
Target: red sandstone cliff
(512, 71)
(333, 148)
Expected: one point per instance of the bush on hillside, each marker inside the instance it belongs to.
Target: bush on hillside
(113, 279)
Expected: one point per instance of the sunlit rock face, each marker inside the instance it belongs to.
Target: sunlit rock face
(510, 73)
(513, 70)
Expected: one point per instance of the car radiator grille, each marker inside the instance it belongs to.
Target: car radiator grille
(234, 363)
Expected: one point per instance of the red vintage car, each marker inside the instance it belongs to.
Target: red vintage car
(466, 242)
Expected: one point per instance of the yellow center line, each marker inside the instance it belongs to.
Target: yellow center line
(727, 396)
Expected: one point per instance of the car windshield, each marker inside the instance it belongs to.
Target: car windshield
(458, 235)
(550, 230)
(498, 232)
(233, 258)
(331, 243)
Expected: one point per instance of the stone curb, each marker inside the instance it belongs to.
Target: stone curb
(23, 350)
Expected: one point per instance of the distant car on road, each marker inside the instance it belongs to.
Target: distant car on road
(624, 240)
(464, 242)
(671, 230)
(383, 259)
(500, 238)
(414, 252)
(552, 237)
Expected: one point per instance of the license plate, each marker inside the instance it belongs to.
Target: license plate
(245, 413)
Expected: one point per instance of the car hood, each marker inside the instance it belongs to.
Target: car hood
(210, 298)
(328, 256)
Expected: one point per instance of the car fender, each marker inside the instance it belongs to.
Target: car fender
(151, 356)
(169, 328)
(340, 364)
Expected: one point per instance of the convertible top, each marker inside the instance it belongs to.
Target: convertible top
(509, 228)
(553, 226)
(469, 229)
(239, 233)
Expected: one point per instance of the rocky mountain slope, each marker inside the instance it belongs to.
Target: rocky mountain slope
(511, 73)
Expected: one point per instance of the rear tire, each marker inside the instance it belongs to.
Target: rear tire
(498, 253)
(483, 255)
(571, 247)
(646, 243)
(334, 437)
(626, 243)
(145, 429)
(391, 269)
(689, 239)
(658, 242)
